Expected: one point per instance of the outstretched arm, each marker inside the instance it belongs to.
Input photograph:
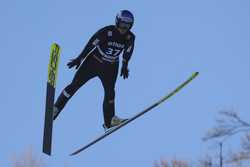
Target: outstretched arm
(89, 48)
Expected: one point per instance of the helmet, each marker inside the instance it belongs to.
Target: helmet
(124, 19)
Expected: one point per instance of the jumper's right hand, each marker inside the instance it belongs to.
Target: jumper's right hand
(74, 62)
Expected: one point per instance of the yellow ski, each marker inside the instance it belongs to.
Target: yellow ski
(50, 94)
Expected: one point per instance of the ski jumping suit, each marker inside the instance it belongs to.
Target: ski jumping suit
(101, 58)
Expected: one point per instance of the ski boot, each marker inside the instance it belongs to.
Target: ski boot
(115, 121)
(55, 112)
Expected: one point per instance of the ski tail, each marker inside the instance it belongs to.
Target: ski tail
(50, 94)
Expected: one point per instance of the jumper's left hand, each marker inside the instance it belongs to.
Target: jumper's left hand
(124, 72)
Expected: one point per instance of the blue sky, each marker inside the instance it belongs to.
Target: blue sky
(173, 40)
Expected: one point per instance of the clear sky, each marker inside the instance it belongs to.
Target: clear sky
(173, 40)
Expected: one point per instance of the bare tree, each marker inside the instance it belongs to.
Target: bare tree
(229, 124)
(242, 156)
(27, 159)
(172, 163)
(206, 162)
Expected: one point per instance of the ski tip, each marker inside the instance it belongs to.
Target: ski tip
(195, 74)
(56, 44)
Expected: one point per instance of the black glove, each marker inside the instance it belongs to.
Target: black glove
(74, 62)
(124, 71)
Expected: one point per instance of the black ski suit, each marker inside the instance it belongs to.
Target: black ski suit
(101, 58)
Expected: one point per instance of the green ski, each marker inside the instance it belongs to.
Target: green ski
(138, 115)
